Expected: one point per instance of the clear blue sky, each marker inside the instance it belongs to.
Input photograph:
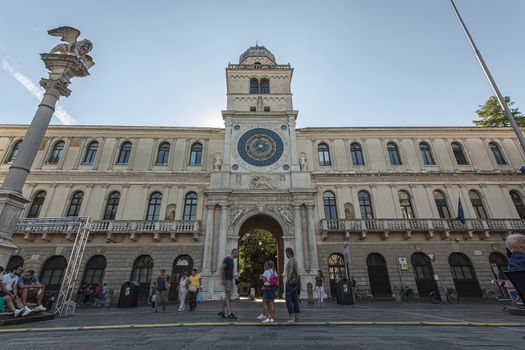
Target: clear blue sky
(357, 62)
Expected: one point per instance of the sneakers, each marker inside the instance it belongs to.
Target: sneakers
(18, 312)
(268, 320)
(261, 317)
(27, 311)
(40, 308)
(291, 320)
(221, 314)
(232, 317)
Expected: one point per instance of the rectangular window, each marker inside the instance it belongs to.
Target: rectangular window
(266, 109)
(252, 109)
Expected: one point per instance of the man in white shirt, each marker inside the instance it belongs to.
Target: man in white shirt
(10, 286)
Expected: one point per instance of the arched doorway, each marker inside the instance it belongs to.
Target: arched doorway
(183, 263)
(424, 274)
(464, 276)
(52, 273)
(336, 270)
(498, 263)
(260, 239)
(378, 276)
(141, 273)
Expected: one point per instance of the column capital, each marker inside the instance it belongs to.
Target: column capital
(56, 87)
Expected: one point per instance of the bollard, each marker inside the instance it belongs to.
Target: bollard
(310, 292)
(397, 294)
(109, 298)
(252, 293)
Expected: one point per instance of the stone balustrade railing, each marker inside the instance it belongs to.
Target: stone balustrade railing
(258, 66)
(109, 227)
(429, 226)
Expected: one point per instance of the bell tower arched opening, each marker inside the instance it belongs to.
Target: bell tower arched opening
(260, 239)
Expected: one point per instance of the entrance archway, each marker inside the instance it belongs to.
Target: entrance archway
(260, 239)
(464, 276)
(378, 276)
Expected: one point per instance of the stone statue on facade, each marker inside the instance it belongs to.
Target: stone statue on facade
(259, 104)
(217, 162)
(260, 182)
(303, 164)
(73, 47)
(234, 218)
(285, 214)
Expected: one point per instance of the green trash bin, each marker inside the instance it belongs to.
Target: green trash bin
(343, 293)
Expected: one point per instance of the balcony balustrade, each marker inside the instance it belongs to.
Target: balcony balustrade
(429, 226)
(69, 226)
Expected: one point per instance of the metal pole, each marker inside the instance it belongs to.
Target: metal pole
(492, 83)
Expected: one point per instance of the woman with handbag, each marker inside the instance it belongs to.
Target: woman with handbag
(183, 290)
(194, 283)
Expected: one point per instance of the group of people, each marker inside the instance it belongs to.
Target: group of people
(96, 292)
(188, 288)
(17, 289)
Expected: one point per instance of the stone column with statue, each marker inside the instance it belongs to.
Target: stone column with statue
(64, 61)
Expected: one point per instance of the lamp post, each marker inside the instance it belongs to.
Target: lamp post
(492, 83)
(64, 61)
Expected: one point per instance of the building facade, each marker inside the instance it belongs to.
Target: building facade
(173, 198)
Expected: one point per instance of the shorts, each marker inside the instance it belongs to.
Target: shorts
(269, 293)
(228, 286)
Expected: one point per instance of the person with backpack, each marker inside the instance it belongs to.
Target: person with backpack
(270, 281)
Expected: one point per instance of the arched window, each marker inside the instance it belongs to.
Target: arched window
(441, 204)
(393, 154)
(254, 86)
(155, 200)
(424, 274)
(56, 153)
(336, 270)
(477, 204)
(357, 154)
(378, 276)
(124, 153)
(163, 154)
(498, 156)
(75, 204)
(518, 203)
(265, 86)
(181, 264)
(457, 149)
(463, 275)
(426, 154)
(141, 273)
(53, 272)
(365, 204)
(111, 206)
(324, 154)
(498, 263)
(14, 152)
(91, 153)
(196, 154)
(142, 268)
(406, 205)
(190, 206)
(330, 207)
(36, 204)
(14, 261)
(95, 268)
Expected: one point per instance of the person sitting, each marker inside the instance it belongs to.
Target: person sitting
(100, 294)
(8, 301)
(516, 244)
(9, 282)
(30, 287)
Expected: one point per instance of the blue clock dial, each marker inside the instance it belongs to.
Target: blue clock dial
(260, 147)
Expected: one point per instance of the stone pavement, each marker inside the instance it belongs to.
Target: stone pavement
(366, 325)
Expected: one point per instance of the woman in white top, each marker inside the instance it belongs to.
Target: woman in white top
(270, 279)
(183, 290)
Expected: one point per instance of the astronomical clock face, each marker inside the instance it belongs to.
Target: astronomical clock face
(259, 149)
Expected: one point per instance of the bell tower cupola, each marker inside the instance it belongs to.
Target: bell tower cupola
(258, 84)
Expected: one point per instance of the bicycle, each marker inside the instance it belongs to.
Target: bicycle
(406, 293)
(450, 295)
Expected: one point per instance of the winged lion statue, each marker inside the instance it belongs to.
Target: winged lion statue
(72, 47)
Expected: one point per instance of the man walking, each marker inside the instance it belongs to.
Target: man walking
(227, 282)
(292, 286)
(161, 287)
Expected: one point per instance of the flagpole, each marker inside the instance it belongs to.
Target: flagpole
(492, 83)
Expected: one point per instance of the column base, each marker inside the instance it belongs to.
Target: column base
(12, 205)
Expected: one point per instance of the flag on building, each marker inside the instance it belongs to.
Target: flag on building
(461, 214)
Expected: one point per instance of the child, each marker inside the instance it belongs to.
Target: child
(319, 287)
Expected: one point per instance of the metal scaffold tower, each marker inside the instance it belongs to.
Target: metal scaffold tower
(81, 228)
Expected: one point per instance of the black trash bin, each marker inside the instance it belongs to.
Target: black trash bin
(343, 292)
(129, 294)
